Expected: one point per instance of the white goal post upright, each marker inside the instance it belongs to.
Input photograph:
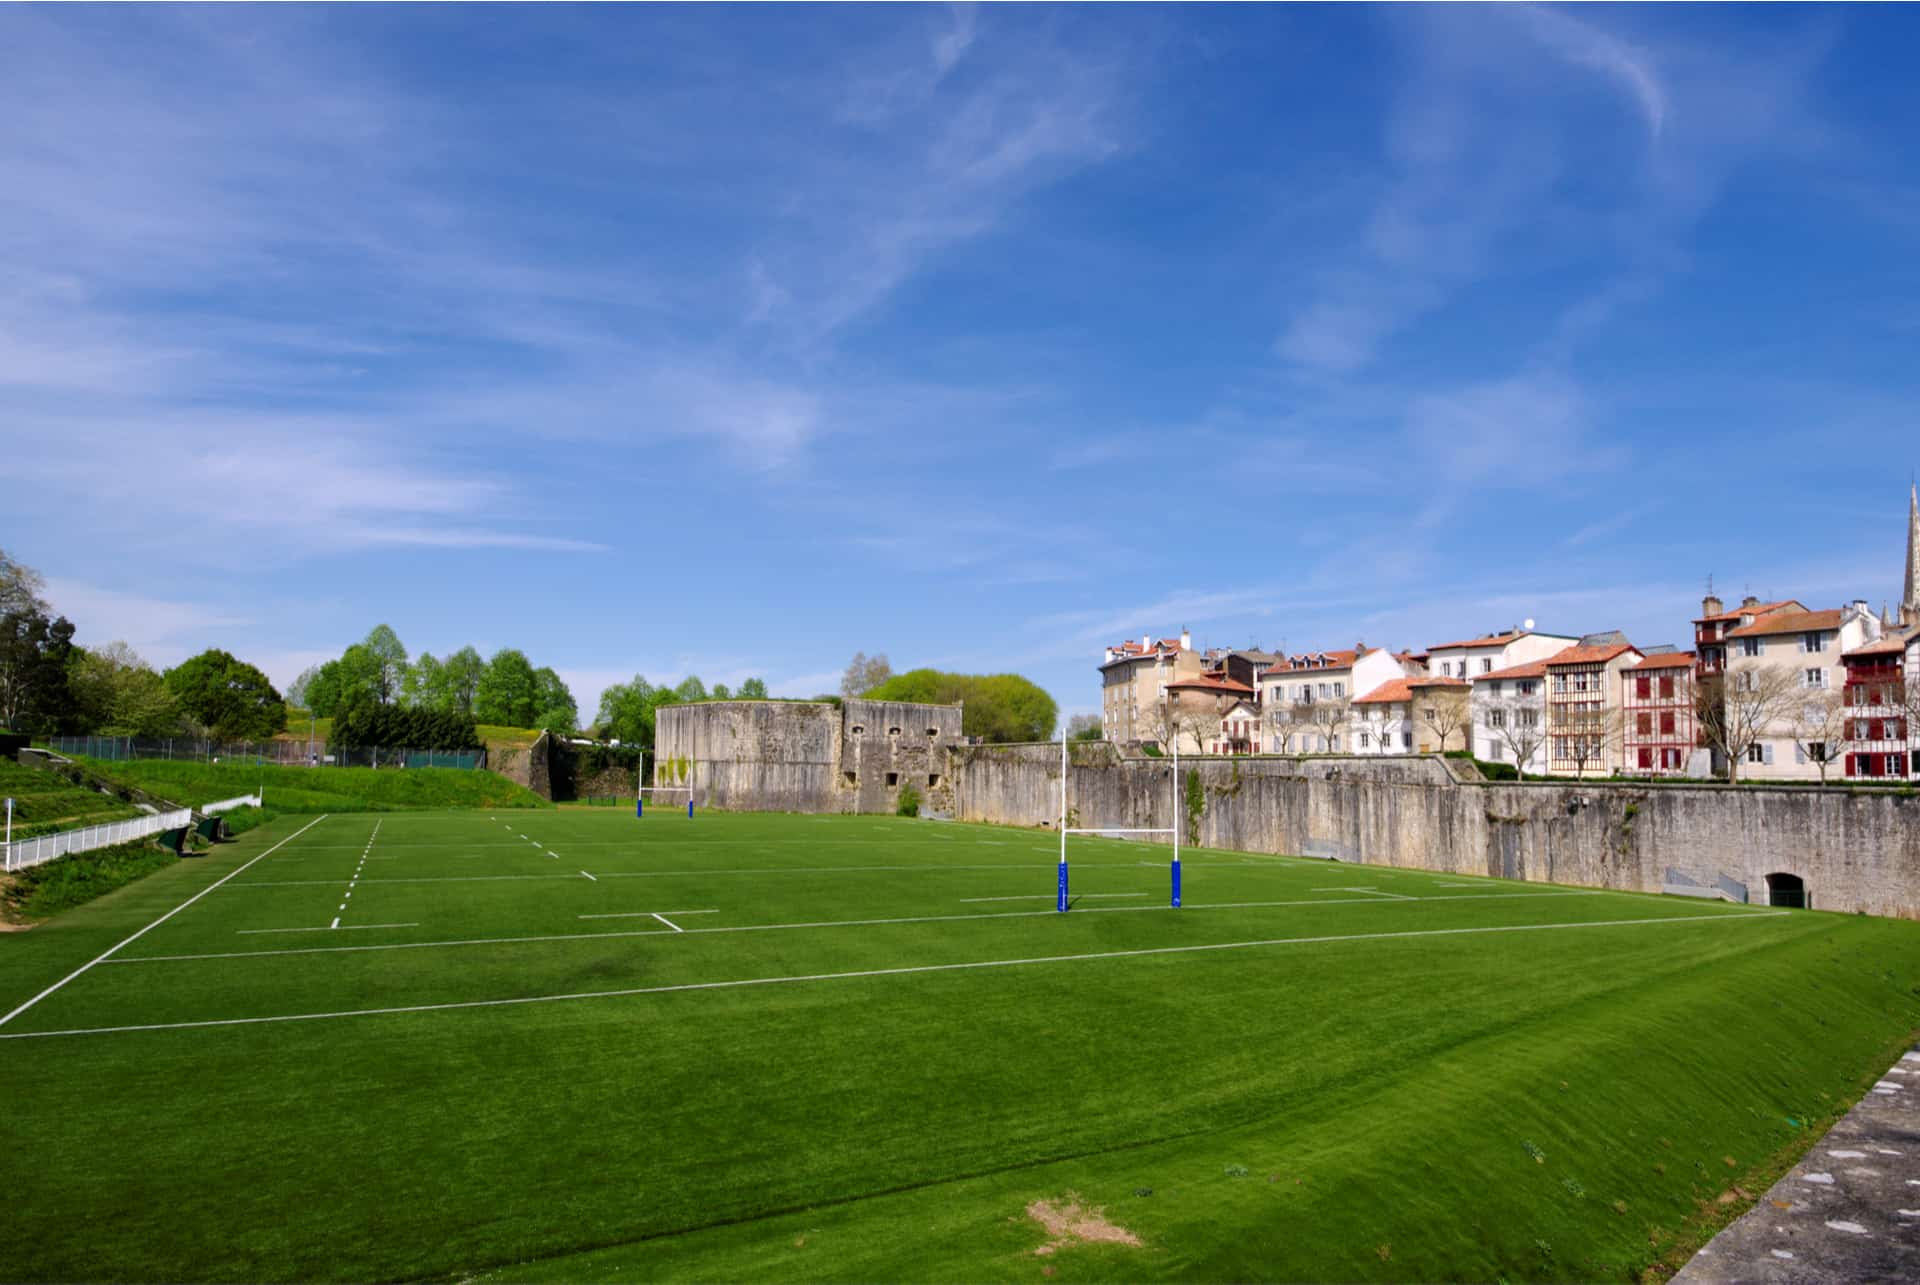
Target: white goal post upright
(1062, 901)
(640, 791)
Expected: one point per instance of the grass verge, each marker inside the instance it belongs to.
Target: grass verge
(40, 892)
(325, 789)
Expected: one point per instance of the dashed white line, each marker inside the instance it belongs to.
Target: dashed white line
(589, 876)
(1048, 896)
(644, 914)
(669, 923)
(254, 932)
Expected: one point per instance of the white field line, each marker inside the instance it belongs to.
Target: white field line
(335, 923)
(1048, 896)
(252, 932)
(1375, 891)
(832, 923)
(930, 867)
(356, 874)
(742, 982)
(589, 876)
(645, 914)
(669, 923)
(161, 920)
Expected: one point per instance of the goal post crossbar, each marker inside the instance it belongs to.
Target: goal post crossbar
(1062, 901)
(641, 793)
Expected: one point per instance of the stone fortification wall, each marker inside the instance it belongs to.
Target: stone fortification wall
(789, 756)
(530, 766)
(1855, 852)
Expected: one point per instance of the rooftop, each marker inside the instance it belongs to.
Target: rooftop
(1788, 622)
(1667, 660)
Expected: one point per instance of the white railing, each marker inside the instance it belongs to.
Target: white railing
(34, 852)
(228, 805)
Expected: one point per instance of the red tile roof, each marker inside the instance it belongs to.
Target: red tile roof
(1532, 669)
(1423, 681)
(1301, 664)
(1787, 622)
(1394, 689)
(1667, 660)
(1213, 683)
(1598, 655)
(1757, 609)
(1891, 645)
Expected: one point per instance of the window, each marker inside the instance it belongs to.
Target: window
(1497, 718)
(1815, 641)
(893, 731)
(852, 778)
(1644, 725)
(1758, 752)
(1406, 740)
(1666, 686)
(893, 778)
(1526, 687)
(1667, 723)
(857, 729)
(1749, 646)
(1646, 758)
(1529, 718)
(1493, 688)
(1814, 678)
(1429, 713)
(1799, 754)
(1486, 666)
(1643, 687)
(933, 779)
(1365, 740)
(1559, 683)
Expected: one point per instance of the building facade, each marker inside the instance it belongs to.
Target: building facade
(1133, 685)
(1584, 717)
(1659, 734)
(1509, 708)
(1804, 649)
(1883, 739)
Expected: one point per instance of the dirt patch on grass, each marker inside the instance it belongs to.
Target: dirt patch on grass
(1069, 1222)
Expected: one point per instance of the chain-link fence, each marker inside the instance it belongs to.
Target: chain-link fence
(265, 753)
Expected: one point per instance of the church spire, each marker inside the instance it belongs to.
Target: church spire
(1910, 593)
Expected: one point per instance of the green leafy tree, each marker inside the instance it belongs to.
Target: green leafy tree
(720, 692)
(508, 691)
(230, 697)
(425, 685)
(116, 693)
(34, 654)
(997, 708)
(753, 689)
(461, 673)
(557, 711)
(691, 690)
(1084, 727)
(626, 712)
(388, 663)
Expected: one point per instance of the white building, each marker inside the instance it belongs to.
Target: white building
(1473, 658)
(1809, 644)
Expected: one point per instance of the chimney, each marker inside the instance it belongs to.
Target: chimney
(1186, 639)
(1749, 601)
(1711, 606)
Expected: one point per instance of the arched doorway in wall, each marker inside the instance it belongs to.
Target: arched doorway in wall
(1788, 890)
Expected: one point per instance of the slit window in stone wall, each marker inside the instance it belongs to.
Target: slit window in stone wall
(893, 778)
(933, 780)
(857, 729)
(893, 731)
(933, 731)
(853, 778)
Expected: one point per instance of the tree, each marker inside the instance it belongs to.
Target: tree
(116, 693)
(388, 663)
(425, 684)
(997, 708)
(1589, 734)
(34, 652)
(1199, 720)
(720, 692)
(1084, 727)
(1327, 717)
(461, 672)
(1283, 720)
(626, 712)
(298, 693)
(557, 712)
(691, 691)
(1444, 712)
(21, 587)
(230, 697)
(1514, 721)
(864, 674)
(1736, 708)
(507, 691)
(1819, 723)
(321, 692)
(753, 689)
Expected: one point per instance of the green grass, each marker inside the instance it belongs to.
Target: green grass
(302, 725)
(42, 891)
(44, 802)
(1547, 1086)
(324, 789)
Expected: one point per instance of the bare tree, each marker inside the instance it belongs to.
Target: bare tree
(1445, 713)
(1329, 717)
(1588, 735)
(1084, 727)
(864, 673)
(21, 588)
(1283, 720)
(1516, 723)
(1200, 720)
(1738, 707)
(1819, 725)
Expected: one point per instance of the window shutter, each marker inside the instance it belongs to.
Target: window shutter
(1767, 755)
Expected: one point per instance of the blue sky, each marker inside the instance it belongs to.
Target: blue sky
(735, 340)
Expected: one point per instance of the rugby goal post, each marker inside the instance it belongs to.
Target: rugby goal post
(672, 792)
(1065, 830)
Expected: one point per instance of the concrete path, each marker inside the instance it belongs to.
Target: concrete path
(1849, 1211)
